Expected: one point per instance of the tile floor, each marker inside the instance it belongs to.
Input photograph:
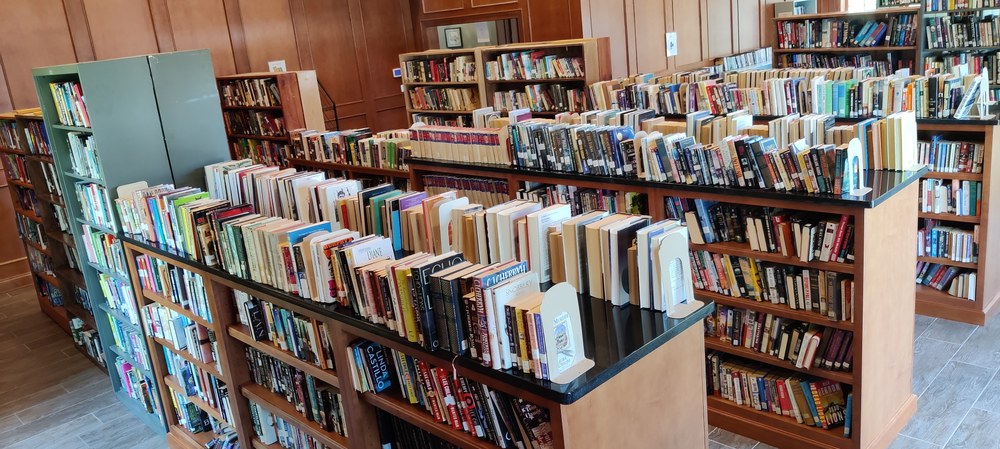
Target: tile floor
(955, 377)
(51, 396)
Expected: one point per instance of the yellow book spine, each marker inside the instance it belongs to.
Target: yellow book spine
(404, 277)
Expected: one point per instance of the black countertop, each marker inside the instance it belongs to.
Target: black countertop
(884, 183)
(614, 337)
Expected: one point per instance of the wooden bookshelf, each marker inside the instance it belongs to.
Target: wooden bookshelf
(932, 302)
(300, 108)
(444, 54)
(576, 409)
(33, 183)
(885, 251)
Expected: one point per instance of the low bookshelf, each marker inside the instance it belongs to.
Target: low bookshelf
(260, 110)
(882, 323)
(633, 348)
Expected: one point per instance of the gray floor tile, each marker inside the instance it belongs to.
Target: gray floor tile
(63, 436)
(982, 348)
(929, 356)
(905, 442)
(128, 431)
(978, 431)
(945, 402)
(733, 440)
(717, 445)
(990, 399)
(764, 446)
(949, 331)
(920, 324)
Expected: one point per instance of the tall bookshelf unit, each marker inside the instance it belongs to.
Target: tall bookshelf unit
(31, 213)
(411, 85)
(634, 349)
(783, 56)
(940, 304)
(258, 124)
(142, 121)
(883, 307)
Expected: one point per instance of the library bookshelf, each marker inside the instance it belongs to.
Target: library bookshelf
(633, 348)
(297, 106)
(595, 54)
(883, 303)
(27, 187)
(902, 53)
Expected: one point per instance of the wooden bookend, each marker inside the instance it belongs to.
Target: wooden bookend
(561, 324)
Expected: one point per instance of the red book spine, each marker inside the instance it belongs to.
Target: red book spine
(838, 239)
(449, 399)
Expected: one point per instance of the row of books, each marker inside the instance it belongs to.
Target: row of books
(888, 63)
(87, 339)
(15, 167)
(952, 5)
(52, 184)
(196, 420)
(460, 121)
(138, 387)
(255, 123)
(488, 192)
(476, 145)
(895, 31)
(807, 237)
(258, 92)
(198, 383)
(183, 334)
(36, 137)
(532, 65)
(83, 155)
(804, 345)
(810, 401)
(461, 403)
(71, 108)
(959, 245)
(262, 151)
(314, 400)
(961, 31)
(128, 342)
(941, 196)
(307, 339)
(9, 137)
(28, 201)
(119, 296)
(582, 200)
(30, 231)
(39, 262)
(748, 59)
(177, 285)
(271, 429)
(395, 433)
(104, 250)
(446, 69)
(385, 149)
(95, 204)
(828, 293)
(948, 156)
(975, 63)
(955, 281)
(543, 98)
(443, 99)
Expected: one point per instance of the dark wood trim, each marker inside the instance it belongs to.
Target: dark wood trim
(160, 15)
(79, 30)
(237, 36)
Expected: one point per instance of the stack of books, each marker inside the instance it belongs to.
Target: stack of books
(948, 242)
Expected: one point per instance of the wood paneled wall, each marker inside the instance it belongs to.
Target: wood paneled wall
(538, 20)
(706, 29)
(13, 263)
(352, 44)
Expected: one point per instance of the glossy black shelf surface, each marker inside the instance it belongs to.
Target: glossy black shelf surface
(884, 183)
(614, 337)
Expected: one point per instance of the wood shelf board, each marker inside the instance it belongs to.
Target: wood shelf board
(175, 385)
(845, 49)
(49, 278)
(279, 406)
(257, 444)
(948, 262)
(73, 276)
(20, 183)
(743, 250)
(774, 309)
(13, 151)
(781, 429)
(81, 313)
(750, 354)
(192, 440)
(962, 176)
(242, 333)
(30, 215)
(420, 418)
(166, 302)
(38, 248)
(62, 237)
(950, 217)
(210, 369)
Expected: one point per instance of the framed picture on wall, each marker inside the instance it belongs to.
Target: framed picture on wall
(453, 37)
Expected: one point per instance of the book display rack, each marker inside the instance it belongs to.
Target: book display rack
(879, 379)
(444, 87)
(632, 347)
(96, 115)
(261, 109)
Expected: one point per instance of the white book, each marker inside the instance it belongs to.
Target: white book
(503, 294)
(507, 233)
(539, 223)
(644, 252)
(491, 229)
(574, 246)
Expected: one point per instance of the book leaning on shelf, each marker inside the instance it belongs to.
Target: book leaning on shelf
(461, 403)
